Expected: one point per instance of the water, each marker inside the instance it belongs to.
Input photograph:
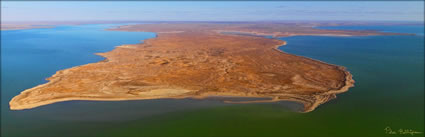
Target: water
(388, 71)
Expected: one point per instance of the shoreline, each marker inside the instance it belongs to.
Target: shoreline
(348, 82)
(309, 103)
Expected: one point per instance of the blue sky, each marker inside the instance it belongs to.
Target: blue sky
(212, 11)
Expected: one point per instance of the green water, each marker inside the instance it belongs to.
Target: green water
(389, 91)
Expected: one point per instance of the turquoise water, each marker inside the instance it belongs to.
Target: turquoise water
(389, 74)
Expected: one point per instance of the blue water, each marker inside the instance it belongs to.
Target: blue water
(389, 91)
(30, 56)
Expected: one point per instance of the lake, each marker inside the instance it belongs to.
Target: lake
(389, 89)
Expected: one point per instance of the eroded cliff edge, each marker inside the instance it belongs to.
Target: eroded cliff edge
(198, 60)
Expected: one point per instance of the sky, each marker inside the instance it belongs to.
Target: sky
(212, 11)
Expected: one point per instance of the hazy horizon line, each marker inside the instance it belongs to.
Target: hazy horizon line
(411, 21)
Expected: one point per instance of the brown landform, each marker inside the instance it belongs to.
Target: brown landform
(199, 60)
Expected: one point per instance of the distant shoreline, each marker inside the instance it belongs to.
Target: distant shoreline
(19, 25)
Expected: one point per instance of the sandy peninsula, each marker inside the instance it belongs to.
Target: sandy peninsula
(198, 60)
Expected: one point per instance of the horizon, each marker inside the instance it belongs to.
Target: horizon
(219, 21)
(410, 11)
